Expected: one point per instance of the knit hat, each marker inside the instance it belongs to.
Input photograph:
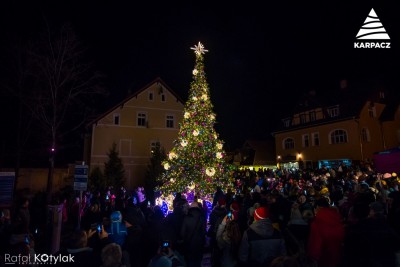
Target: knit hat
(116, 216)
(261, 213)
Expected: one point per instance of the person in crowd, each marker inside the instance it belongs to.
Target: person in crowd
(91, 217)
(134, 242)
(83, 255)
(166, 257)
(228, 240)
(5, 230)
(217, 195)
(371, 241)
(217, 215)
(116, 230)
(261, 242)
(193, 235)
(22, 215)
(111, 256)
(297, 231)
(326, 235)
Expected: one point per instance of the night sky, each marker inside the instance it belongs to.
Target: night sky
(262, 57)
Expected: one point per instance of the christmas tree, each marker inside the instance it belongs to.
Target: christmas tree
(196, 163)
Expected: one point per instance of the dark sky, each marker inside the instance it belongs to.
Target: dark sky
(262, 57)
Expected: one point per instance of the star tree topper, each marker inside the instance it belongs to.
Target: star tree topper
(199, 49)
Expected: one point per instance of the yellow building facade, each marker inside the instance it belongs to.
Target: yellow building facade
(330, 135)
(149, 116)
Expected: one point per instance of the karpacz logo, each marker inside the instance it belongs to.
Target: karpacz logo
(372, 34)
(372, 45)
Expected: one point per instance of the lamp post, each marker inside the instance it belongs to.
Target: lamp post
(278, 164)
(299, 159)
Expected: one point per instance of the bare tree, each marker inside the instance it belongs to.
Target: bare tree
(16, 79)
(66, 88)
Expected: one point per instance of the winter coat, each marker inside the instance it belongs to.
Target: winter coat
(193, 234)
(326, 237)
(227, 257)
(261, 243)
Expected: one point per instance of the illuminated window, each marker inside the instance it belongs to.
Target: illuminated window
(333, 111)
(288, 143)
(338, 137)
(116, 119)
(315, 139)
(306, 140)
(141, 119)
(365, 135)
(286, 122)
(170, 121)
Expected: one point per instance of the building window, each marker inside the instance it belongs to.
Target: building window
(382, 95)
(286, 122)
(116, 119)
(153, 146)
(151, 96)
(170, 121)
(372, 112)
(306, 140)
(162, 97)
(315, 139)
(303, 118)
(141, 119)
(338, 137)
(313, 115)
(365, 135)
(333, 111)
(288, 143)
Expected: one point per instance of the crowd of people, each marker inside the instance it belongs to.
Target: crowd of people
(344, 216)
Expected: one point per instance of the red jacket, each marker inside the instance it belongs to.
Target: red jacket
(326, 237)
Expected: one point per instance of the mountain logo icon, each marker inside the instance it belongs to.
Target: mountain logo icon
(372, 33)
(372, 29)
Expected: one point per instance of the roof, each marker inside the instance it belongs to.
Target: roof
(350, 99)
(136, 93)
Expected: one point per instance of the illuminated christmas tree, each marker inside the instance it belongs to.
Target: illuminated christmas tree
(196, 164)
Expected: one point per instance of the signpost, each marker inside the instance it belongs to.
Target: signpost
(80, 184)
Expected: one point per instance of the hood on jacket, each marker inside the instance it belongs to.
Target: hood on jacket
(263, 227)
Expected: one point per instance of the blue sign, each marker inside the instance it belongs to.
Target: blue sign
(7, 180)
(81, 177)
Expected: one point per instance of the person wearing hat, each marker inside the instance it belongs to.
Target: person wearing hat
(117, 231)
(261, 242)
